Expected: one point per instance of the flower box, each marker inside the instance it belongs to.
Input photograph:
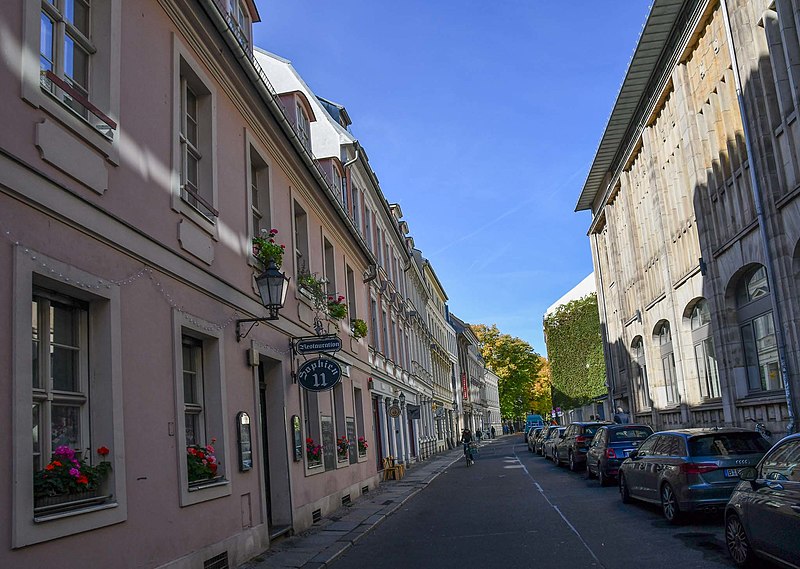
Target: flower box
(47, 505)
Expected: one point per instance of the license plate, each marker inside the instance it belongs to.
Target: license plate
(731, 473)
(626, 453)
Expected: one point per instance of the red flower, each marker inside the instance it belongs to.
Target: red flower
(82, 480)
(49, 466)
(56, 463)
(103, 451)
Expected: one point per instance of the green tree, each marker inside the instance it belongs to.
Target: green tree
(575, 351)
(541, 397)
(516, 364)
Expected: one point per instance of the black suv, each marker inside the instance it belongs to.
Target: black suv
(574, 444)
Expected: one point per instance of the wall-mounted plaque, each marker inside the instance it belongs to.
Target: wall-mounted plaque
(244, 441)
(297, 438)
(394, 411)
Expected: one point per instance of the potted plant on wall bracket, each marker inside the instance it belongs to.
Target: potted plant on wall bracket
(358, 328)
(362, 446)
(337, 309)
(265, 249)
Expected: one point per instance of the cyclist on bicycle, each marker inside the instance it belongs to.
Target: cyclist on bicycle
(466, 438)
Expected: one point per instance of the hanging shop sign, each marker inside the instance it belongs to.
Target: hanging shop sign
(321, 374)
(318, 345)
(243, 439)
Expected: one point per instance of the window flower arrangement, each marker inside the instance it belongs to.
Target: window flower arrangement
(359, 328)
(201, 462)
(313, 452)
(68, 475)
(342, 446)
(265, 249)
(337, 309)
(362, 446)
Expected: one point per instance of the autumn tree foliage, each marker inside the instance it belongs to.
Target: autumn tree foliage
(541, 398)
(518, 366)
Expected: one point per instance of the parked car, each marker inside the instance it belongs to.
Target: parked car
(527, 432)
(762, 517)
(549, 444)
(574, 443)
(688, 470)
(532, 438)
(610, 446)
(538, 443)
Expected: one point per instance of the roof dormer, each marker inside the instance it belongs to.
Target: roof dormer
(241, 15)
(300, 113)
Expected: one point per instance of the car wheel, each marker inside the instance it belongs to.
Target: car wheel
(737, 542)
(589, 475)
(669, 504)
(604, 481)
(624, 493)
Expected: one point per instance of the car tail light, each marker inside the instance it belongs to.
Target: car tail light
(581, 439)
(610, 453)
(698, 467)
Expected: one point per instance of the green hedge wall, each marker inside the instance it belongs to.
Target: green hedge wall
(575, 351)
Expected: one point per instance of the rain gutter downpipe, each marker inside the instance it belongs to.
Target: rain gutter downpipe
(762, 224)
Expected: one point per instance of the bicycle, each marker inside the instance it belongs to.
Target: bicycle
(470, 450)
(761, 429)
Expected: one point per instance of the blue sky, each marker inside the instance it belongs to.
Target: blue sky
(481, 119)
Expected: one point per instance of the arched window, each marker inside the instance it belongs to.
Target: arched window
(639, 370)
(664, 336)
(705, 355)
(754, 313)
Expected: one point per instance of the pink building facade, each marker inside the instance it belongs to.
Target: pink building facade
(142, 148)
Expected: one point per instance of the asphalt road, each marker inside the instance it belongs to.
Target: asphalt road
(513, 509)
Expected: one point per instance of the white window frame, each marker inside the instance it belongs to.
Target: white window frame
(188, 72)
(214, 410)
(264, 190)
(241, 18)
(32, 270)
(104, 74)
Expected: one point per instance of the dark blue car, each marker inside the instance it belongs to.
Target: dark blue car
(610, 446)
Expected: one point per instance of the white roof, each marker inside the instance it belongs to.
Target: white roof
(583, 288)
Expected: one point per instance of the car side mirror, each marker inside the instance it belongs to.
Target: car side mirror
(748, 473)
(633, 454)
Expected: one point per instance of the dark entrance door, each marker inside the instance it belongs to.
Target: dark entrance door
(262, 388)
(377, 435)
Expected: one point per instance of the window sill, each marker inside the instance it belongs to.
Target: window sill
(771, 396)
(203, 485)
(76, 512)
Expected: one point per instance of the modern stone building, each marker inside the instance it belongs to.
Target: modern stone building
(695, 225)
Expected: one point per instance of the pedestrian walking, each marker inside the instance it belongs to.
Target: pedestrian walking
(491, 430)
(621, 417)
(478, 434)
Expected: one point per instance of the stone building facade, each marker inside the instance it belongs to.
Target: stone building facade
(695, 229)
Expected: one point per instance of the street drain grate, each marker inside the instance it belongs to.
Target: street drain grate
(387, 502)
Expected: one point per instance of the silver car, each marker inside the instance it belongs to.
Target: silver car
(689, 470)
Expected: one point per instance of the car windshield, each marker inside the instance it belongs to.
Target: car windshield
(630, 434)
(725, 444)
(590, 431)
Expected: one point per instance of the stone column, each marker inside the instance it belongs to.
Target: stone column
(384, 426)
(403, 424)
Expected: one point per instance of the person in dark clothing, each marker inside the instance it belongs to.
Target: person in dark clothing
(491, 430)
(621, 417)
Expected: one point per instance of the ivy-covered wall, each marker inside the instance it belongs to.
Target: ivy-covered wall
(575, 352)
